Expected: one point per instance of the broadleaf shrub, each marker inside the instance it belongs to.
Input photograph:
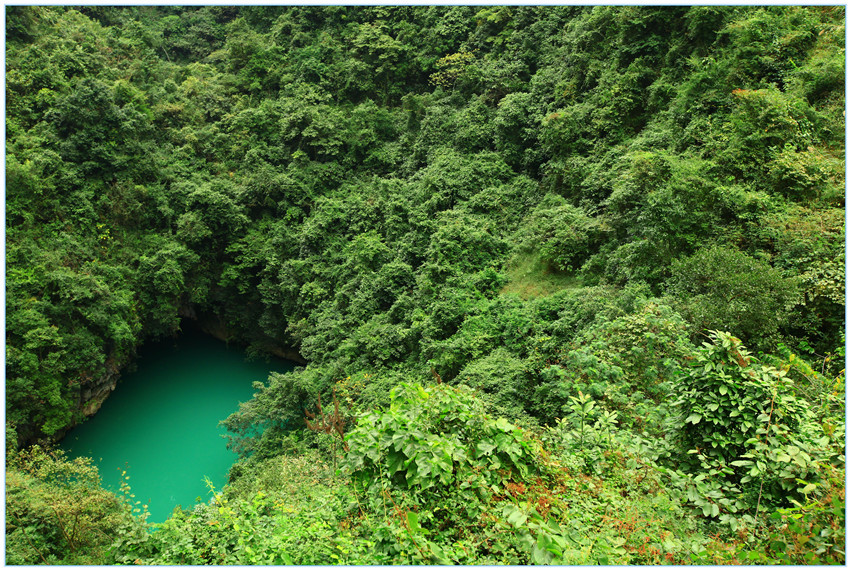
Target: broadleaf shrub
(436, 436)
(752, 442)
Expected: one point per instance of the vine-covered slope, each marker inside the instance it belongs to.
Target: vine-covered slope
(524, 251)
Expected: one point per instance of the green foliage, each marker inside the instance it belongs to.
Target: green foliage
(650, 345)
(499, 195)
(451, 67)
(515, 130)
(564, 234)
(292, 517)
(503, 383)
(743, 424)
(56, 510)
(763, 122)
(808, 242)
(529, 275)
(726, 395)
(725, 288)
(626, 362)
(810, 533)
(439, 437)
(277, 408)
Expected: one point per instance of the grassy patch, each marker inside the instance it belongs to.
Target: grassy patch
(530, 276)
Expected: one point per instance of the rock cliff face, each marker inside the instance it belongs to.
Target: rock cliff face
(215, 326)
(287, 353)
(94, 392)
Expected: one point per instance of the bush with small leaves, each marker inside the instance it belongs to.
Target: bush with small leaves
(56, 510)
(722, 287)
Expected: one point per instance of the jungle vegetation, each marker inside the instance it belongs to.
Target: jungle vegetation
(569, 281)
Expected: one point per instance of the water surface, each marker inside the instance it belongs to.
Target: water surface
(161, 422)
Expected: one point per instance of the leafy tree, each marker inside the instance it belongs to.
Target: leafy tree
(724, 287)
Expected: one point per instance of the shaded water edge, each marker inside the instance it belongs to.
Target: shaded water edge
(160, 426)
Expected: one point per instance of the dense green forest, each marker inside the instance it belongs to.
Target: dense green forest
(569, 282)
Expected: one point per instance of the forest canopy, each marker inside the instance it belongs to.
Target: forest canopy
(571, 278)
